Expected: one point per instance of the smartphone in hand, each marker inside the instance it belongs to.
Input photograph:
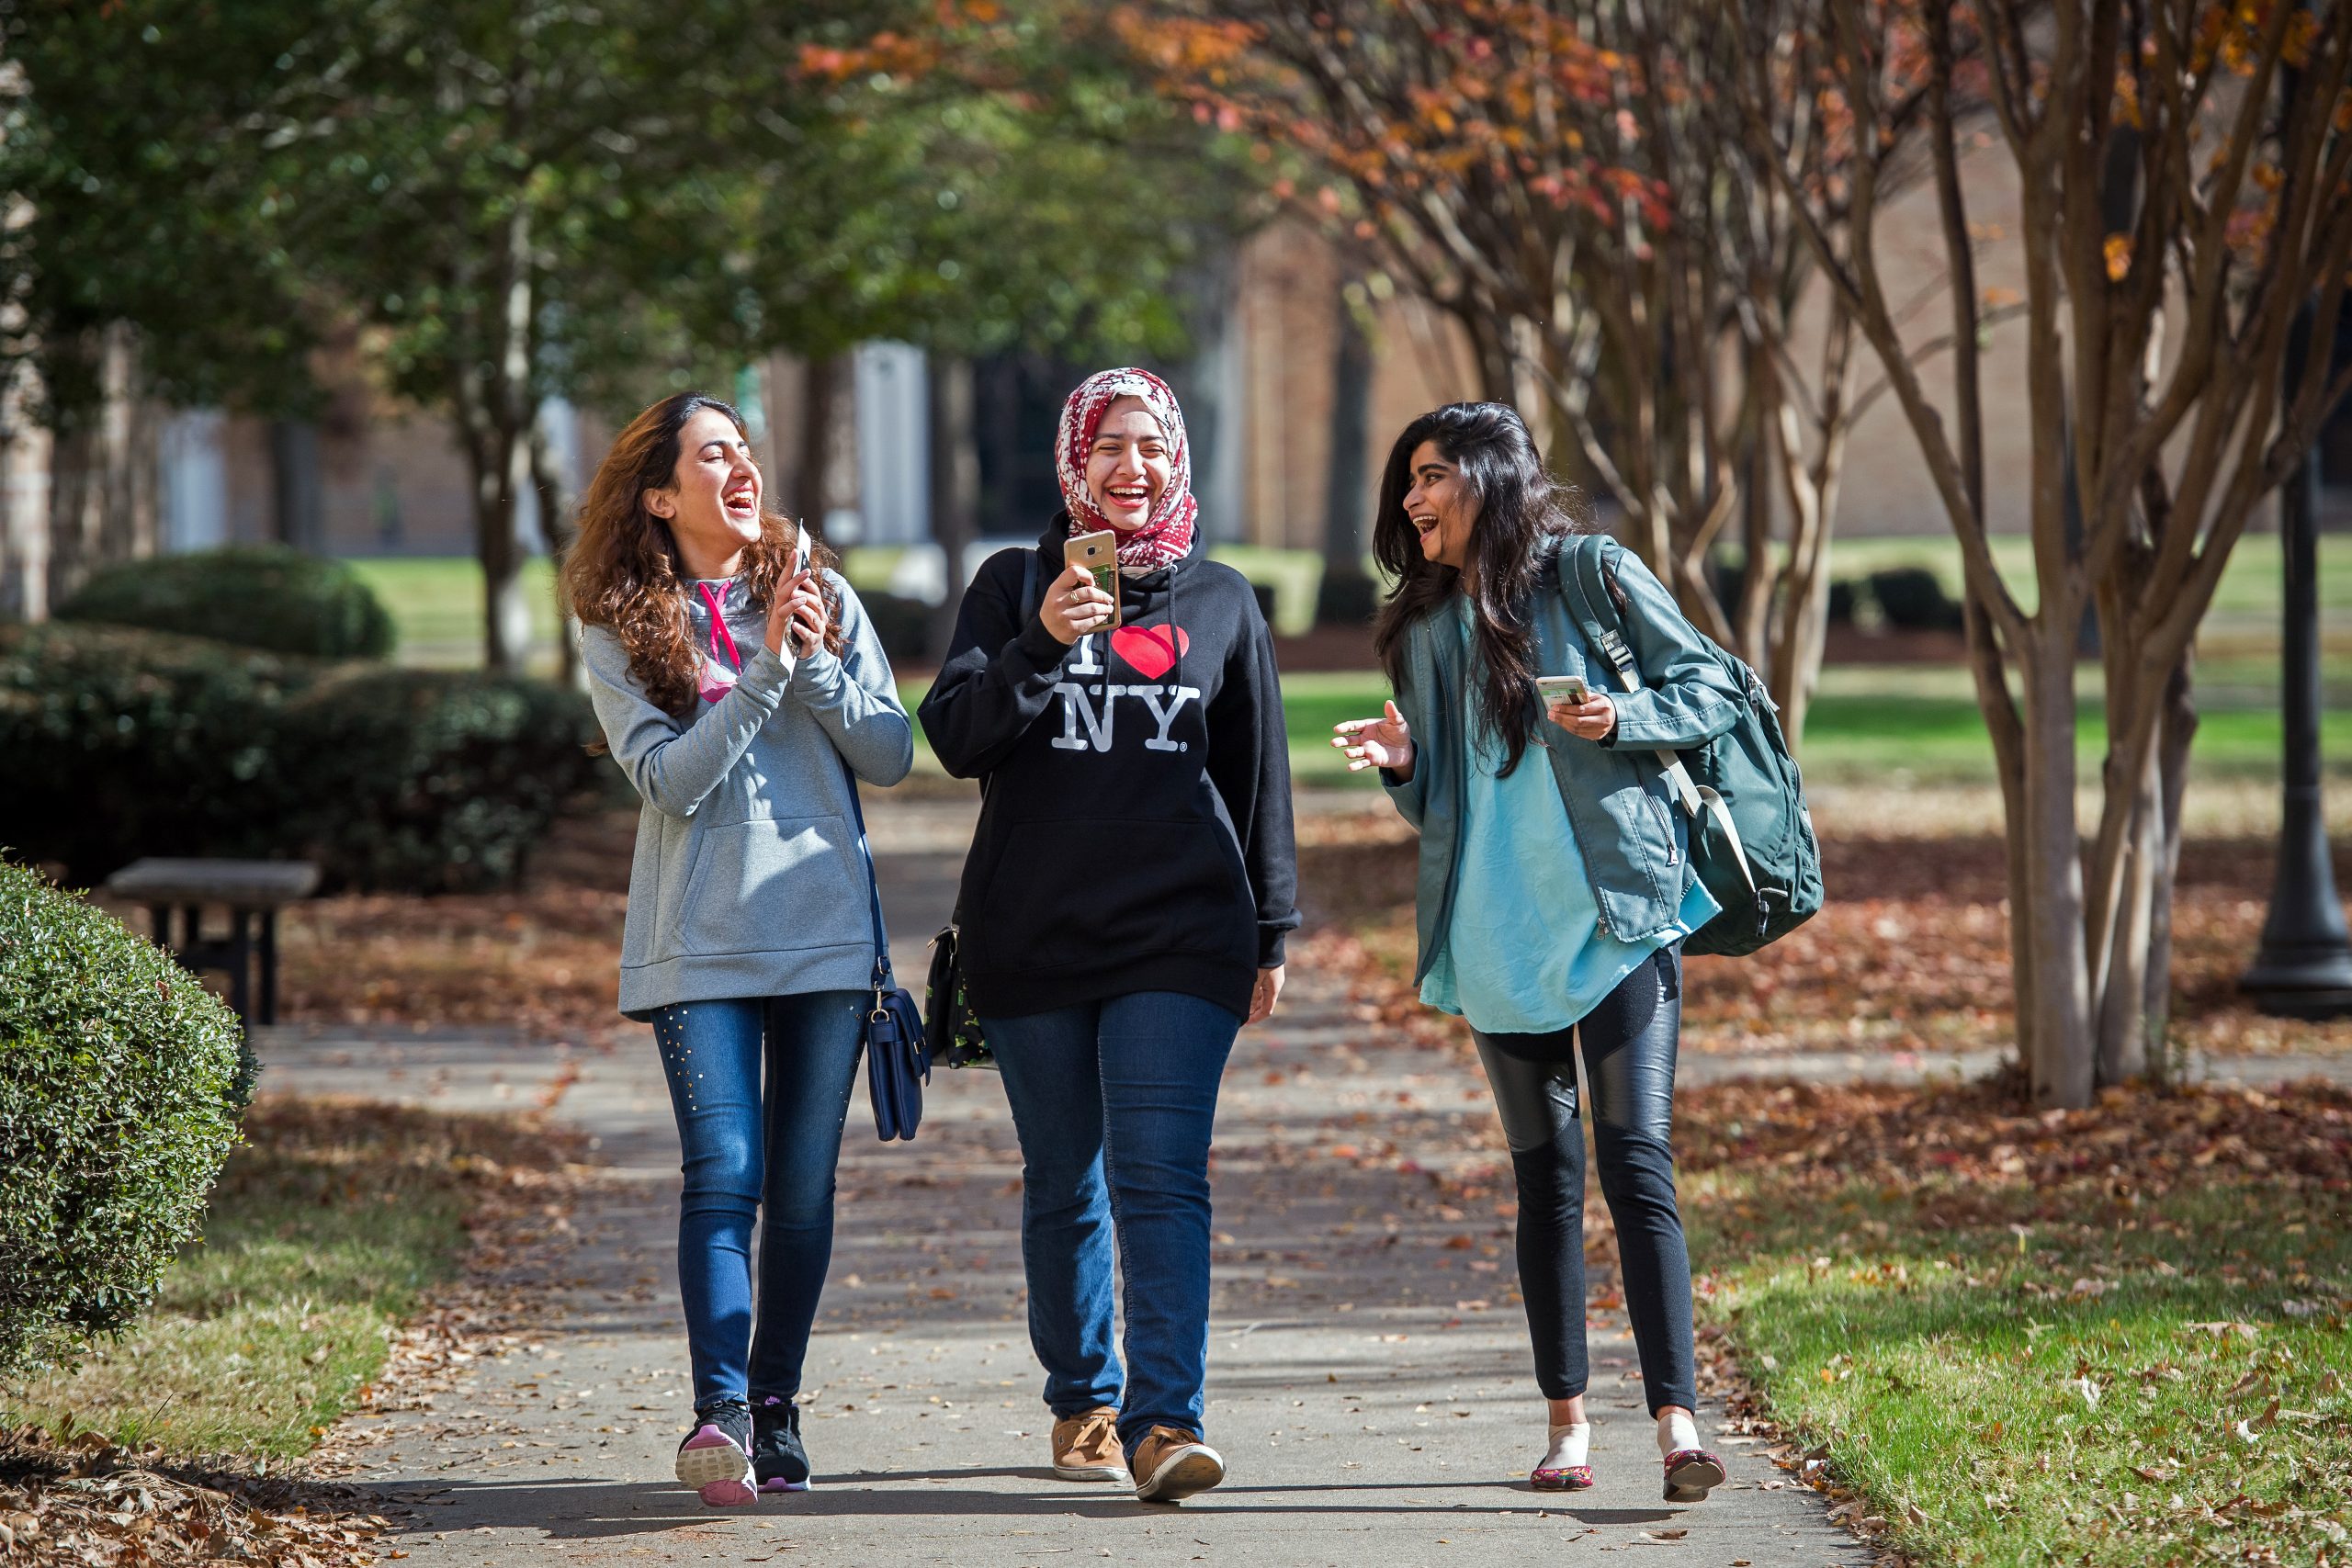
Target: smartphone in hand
(1099, 554)
(802, 643)
(1554, 689)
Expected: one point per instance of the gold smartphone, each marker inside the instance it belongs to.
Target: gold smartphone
(1099, 554)
(1563, 689)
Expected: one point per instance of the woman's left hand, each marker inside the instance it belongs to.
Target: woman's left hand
(1263, 995)
(1593, 719)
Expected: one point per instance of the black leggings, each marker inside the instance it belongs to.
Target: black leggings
(1629, 1045)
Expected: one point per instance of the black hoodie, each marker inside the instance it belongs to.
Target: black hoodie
(1135, 831)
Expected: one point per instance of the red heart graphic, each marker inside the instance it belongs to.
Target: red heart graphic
(1151, 649)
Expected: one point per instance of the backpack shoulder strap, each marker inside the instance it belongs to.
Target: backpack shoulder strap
(1584, 579)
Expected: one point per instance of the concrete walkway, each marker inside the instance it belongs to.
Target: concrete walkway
(1370, 1380)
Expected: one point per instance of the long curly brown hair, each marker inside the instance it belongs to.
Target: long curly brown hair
(624, 570)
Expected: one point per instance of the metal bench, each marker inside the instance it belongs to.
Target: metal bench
(247, 888)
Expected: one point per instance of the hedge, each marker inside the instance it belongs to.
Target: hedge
(121, 1082)
(434, 781)
(120, 744)
(1913, 599)
(263, 596)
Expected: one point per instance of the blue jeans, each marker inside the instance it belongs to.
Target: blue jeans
(1113, 1102)
(743, 1149)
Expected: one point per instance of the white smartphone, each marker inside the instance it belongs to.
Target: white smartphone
(1563, 689)
(802, 645)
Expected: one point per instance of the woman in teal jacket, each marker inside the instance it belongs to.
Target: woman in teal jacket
(1555, 886)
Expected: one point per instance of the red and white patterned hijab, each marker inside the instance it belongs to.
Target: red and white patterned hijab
(1165, 536)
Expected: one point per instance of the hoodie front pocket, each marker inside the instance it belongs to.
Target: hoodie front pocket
(773, 884)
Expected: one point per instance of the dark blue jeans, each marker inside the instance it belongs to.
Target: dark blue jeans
(746, 1151)
(1113, 1102)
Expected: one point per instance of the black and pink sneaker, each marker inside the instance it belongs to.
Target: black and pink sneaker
(716, 1458)
(776, 1454)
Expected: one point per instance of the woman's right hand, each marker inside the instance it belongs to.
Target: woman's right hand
(1382, 742)
(1074, 606)
(782, 607)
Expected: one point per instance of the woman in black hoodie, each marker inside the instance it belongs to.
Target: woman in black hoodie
(1122, 913)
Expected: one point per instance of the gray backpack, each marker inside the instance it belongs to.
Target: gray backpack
(1751, 835)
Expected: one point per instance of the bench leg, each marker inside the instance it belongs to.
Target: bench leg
(269, 967)
(241, 966)
(191, 927)
(160, 916)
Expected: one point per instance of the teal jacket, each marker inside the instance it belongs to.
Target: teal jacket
(1633, 840)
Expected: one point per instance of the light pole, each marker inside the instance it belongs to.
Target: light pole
(2303, 969)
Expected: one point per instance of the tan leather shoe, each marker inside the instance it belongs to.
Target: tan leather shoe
(1171, 1463)
(1086, 1446)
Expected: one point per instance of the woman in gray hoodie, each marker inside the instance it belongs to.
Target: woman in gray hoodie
(743, 691)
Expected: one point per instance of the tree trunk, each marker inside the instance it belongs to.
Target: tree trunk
(2121, 984)
(551, 483)
(955, 485)
(494, 412)
(295, 499)
(24, 518)
(819, 411)
(1345, 476)
(2061, 1062)
(1753, 616)
(105, 456)
(2171, 762)
(502, 469)
(73, 461)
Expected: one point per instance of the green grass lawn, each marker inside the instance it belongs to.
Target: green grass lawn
(1895, 724)
(437, 601)
(1903, 724)
(2246, 602)
(2114, 1337)
(326, 1229)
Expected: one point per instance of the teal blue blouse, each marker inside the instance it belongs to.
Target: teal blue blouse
(1524, 952)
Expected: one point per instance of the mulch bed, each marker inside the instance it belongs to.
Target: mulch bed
(1910, 953)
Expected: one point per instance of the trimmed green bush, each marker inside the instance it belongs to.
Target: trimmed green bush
(1346, 599)
(118, 744)
(264, 596)
(902, 624)
(121, 1082)
(434, 781)
(1914, 599)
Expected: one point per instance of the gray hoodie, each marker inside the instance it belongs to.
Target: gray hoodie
(747, 880)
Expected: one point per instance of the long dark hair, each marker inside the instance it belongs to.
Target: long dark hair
(1522, 516)
(624, 570)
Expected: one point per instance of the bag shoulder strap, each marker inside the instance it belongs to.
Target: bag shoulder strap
(1028, 585)
(882, 977)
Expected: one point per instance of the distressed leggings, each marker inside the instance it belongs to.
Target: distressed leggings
(1628, 1043)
